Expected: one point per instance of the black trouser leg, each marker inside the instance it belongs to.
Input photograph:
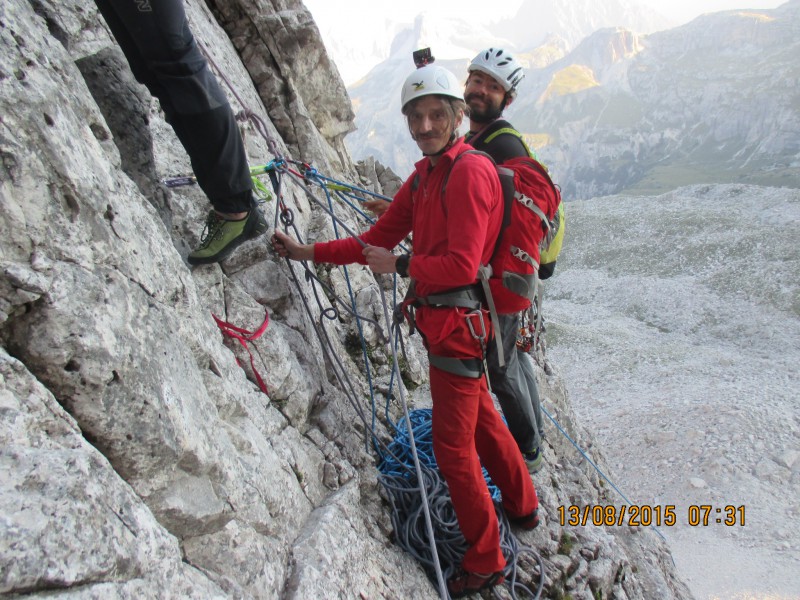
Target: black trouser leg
(164, 56)
(514, 386)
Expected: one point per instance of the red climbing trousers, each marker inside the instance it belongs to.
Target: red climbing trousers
(468, 430)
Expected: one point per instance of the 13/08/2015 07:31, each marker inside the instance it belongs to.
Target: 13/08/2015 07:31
(646, 515)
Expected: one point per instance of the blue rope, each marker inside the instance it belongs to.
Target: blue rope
(280, 170)
(344, 198)
(403, 491)
(351, 294)
(597, 468)
(352, 187)
(399, 462)
(312, 175)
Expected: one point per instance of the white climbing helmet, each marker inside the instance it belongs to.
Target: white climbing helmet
(427, 80)
(499, 64)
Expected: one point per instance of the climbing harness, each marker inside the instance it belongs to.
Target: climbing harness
(469, 297)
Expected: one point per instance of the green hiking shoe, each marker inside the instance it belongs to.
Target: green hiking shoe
(221, 237)
(533, 460)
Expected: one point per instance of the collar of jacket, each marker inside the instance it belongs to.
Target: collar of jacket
(424, 167)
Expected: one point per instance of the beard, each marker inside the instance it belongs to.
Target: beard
(485, 115)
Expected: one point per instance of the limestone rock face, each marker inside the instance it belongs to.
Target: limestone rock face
(138, 459)
(70, 521)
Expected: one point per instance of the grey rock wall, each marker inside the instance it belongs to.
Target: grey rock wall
(138, 460)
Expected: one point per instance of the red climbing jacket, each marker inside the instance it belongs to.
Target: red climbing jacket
(452, 235)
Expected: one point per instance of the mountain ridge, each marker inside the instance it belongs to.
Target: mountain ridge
(711, 101)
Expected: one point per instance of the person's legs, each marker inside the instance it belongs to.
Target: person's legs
(163, 55)
(466, 423)
(455, 414)
(511, 385)
(526, 366)
(499, 454)
(456, 401)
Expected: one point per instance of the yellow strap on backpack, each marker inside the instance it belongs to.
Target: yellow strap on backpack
(516, 134)
(550, 253)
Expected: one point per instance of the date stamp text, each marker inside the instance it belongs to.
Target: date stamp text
(645, 515)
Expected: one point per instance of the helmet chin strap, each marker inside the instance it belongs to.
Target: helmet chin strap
(485, 119)
(503, 104)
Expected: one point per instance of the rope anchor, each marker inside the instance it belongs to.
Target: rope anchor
(243, 336)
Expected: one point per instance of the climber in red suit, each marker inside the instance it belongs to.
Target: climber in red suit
(453, 235)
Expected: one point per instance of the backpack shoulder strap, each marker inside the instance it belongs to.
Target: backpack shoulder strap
(501, 131)
(455, 160)
(511, 131)
(415, 182)
(481, 138)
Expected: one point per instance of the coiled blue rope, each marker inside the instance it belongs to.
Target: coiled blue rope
(400, 483)
(397, 463)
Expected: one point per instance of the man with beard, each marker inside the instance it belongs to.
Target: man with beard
(454, 233)
(492, 86)
(494, 75)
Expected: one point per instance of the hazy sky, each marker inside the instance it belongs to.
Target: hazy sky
(357, 26)
(332, 12)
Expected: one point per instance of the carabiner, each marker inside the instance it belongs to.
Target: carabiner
(469, 316)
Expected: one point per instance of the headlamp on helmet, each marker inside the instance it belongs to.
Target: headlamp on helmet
(429, 79)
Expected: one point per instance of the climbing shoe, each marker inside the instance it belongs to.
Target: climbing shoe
(464, 583)
(533, 460)
(221, 236)
(529, 521)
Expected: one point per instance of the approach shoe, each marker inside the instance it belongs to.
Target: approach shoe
(221, 236)
(261, 225)
(533, 460)
(528, 522)
(464, 583)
